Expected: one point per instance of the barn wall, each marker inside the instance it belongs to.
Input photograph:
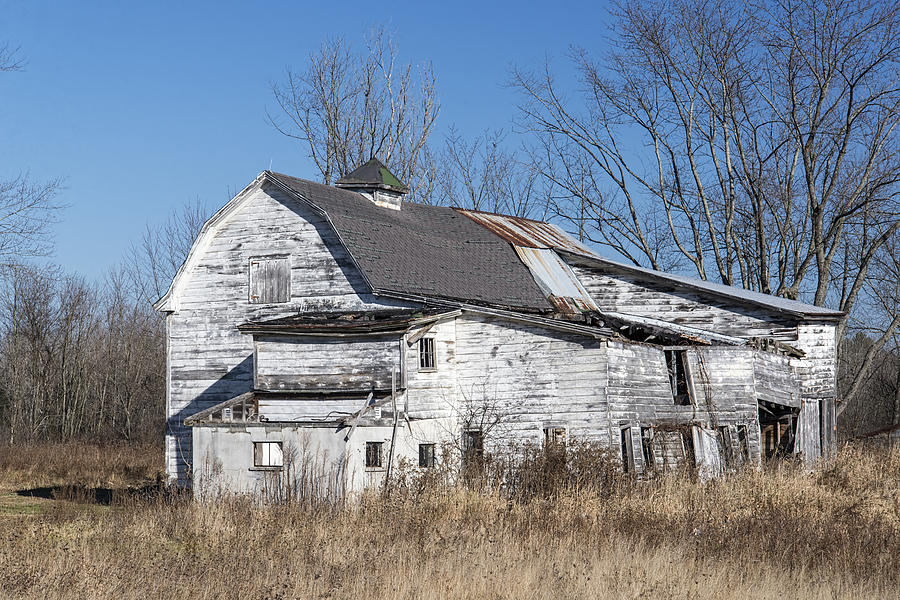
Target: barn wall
(433, 394)
(308, 362)
(640, 395)
(209, 361)
(532, 378)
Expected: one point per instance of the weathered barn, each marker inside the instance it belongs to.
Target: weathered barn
(343, 324)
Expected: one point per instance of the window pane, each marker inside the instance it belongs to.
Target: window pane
(426, 455)
(267, 454)
(426, 353)
(373, 454)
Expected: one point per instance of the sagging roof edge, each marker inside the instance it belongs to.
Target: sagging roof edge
(705, 287)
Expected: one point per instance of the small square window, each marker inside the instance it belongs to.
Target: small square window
(426, 354)
(373, 455)
(426, 455)
(268, 454)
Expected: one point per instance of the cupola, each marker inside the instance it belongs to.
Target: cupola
(374, 181)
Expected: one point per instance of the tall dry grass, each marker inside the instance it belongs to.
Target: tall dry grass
(779, 532)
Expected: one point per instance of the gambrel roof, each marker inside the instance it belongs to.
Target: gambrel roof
(423, 251)
(433, 253)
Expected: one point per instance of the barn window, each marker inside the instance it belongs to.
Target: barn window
(473, 446)
(677, 366)
(426, 455)
(426, 354)
(627, 450)
(555, 437)
(647, 448)
(373, 454)
(270, 280)
(267, 454)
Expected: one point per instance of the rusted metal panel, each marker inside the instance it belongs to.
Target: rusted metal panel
(526, 233)
(557, 280)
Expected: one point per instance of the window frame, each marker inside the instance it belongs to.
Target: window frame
(259, 455)
(626, 443)
(472, 446)
(373, 444)
(676, 362)
(427, 349)
(424, 457)
(647, 453)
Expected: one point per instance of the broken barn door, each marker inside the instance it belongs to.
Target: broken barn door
(706, 452)
(809, 437)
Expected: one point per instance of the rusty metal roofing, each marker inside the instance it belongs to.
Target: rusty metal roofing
(527, 233)
(557, 280)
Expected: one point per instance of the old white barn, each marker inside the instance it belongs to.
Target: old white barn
(351, 326)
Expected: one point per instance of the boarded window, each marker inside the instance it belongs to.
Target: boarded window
(270, 280)
(426, 455)
(627, 450)
(426, 354)
(555, 437)
(647, 448)
(373, 454)
(473, 447)
(676, 365)
(267, 454)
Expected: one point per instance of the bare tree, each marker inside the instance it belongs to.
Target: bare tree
(348, 107)
(484, 175)
(770, 142)
(27, 209)
(163, 248)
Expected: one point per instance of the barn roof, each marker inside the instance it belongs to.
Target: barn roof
(424, 251)
(427, 253)
(537, 234)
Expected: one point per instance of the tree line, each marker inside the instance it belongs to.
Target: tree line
(754, 144)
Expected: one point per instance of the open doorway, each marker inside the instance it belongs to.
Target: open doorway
(778, 429)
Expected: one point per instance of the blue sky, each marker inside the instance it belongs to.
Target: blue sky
(141, 107)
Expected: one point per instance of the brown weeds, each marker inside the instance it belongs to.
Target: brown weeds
(779, 532)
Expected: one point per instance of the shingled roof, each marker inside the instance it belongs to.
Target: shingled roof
(423, 251)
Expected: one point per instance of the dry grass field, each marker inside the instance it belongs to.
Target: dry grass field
(92, 527)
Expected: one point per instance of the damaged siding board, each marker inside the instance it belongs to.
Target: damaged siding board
(808, 440)
(722, 380)
(776, 381)
(209, 360)
(627, 294)
(817, 368)
(310, 363)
